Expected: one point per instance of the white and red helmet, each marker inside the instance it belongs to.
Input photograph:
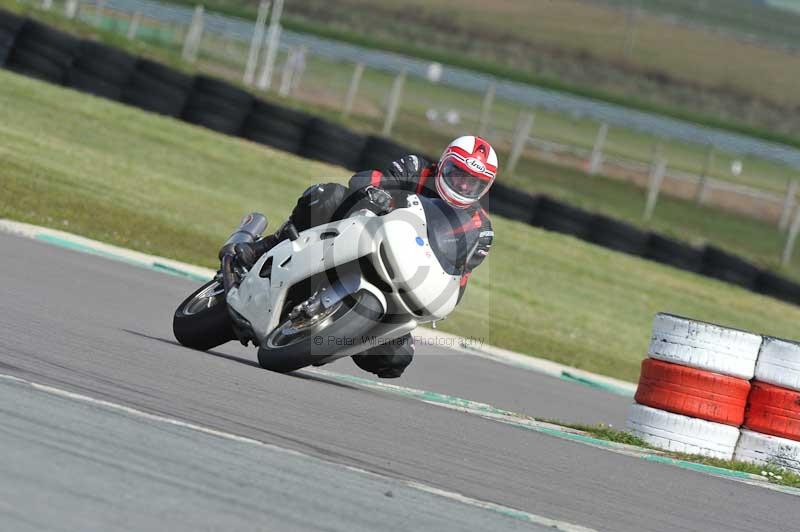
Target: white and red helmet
(466, 171)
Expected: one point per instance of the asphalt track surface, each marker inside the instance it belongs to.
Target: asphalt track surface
(103, 329)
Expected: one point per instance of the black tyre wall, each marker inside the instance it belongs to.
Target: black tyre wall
(727, 267)
(278, 127)
(776, 286)
(151, 94)
(155, 103)
(619, 236)
(165, 74)
(34, 65)
(379, 152)
(562, 218)
(216, 113)
(511, 203)
(674, 253)
(332, 143)
(9, 22)
(84, 82)
(7, 38)
(222, 90)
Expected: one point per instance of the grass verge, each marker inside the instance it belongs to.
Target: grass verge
(119, 175)
(770, 473)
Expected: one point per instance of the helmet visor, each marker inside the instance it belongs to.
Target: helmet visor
(461, 181)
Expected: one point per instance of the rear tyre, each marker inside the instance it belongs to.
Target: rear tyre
(202, 321)
(291, 347)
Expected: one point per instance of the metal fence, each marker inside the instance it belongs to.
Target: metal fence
(528, 95)
(226, 39)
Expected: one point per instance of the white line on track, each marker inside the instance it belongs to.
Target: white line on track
(457, 497)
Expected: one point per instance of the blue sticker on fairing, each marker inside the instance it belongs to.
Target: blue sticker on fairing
(420, 242)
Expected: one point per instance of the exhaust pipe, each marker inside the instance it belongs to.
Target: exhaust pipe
(251, 227)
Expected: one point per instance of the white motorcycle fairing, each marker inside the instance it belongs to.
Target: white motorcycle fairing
(406, 276)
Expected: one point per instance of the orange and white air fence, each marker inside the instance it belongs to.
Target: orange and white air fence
(719, 392)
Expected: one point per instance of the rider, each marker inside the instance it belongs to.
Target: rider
(463, 174)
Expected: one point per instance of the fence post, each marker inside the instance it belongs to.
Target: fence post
(702, 184)
(395, 96)
(656, 178)
(521, 134)
(788, 205)
(288, 71)
(486, 109)
(133, 26)
(256, 43)
(788, 249)
(299, 67)
(273, 41)
(596, 159)
(71, 8)
(352, 90)
(191, 44)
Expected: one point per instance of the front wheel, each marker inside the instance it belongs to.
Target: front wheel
(202, 321)
(301, 342)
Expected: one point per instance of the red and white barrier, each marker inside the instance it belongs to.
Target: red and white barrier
(694, 386)
(702, 382)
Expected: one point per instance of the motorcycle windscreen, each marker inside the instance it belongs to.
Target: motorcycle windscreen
(448, 234)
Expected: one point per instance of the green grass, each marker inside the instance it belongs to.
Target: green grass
(770, 473)
(603, 432)
(119, 175)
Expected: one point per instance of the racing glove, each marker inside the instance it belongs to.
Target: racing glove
(379, 198)
(481, 250)
(408, 166)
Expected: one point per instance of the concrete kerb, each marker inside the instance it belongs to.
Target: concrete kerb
(468, 346)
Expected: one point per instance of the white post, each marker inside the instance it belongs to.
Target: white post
(596, 159)
(656, 178)
(47, 4)
(256, 43)
(486, 109)
(702, 184)
(395, 96)
(788, 205)
(273, 41)
(191, 44)
(71, 8)
(133, 27)
(299, 68)
(288, 71)
(350, 98)
(790, 240)
(521, 135)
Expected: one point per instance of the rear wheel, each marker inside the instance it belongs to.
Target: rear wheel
(304, 341)
(202, 321)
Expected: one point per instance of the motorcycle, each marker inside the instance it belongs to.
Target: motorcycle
(334, 290)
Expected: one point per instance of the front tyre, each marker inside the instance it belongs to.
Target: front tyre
(297, 343)
(202, 321)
